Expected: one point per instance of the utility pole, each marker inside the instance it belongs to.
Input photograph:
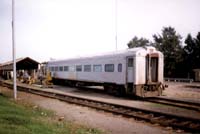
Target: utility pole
(13, 47)
(116, 24)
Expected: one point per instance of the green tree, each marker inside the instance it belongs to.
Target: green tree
(169, 42)
(192, 52)
(138, 42)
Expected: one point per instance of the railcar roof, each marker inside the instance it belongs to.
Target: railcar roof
(132, 51)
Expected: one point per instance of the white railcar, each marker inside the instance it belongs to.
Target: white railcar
(137, 71)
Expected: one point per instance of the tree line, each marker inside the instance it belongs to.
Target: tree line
(180, 59)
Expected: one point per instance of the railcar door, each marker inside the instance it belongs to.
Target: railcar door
(129, 75)
(152, 68)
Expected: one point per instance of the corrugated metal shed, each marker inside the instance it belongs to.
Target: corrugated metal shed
(21, 64)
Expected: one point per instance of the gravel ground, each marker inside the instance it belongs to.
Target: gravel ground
(182, 91)
(83, 115)
(85, 93)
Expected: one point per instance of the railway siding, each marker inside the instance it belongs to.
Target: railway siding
(118, 101)
(163, 118)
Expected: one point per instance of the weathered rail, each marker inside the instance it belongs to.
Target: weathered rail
(165, 119)
(191, 105)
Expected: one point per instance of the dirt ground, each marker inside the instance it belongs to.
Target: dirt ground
(182, 90)
(108, 123)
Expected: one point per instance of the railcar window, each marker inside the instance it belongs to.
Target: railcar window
(119, 67)
(130, 62)
(61, 68)
(52, 69)
(66, 68)
(78, 68)
(56, 68)
(109, 67)
(97, 68)
(87, 68)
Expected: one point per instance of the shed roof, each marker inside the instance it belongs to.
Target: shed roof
(196, 70)
(21, 64)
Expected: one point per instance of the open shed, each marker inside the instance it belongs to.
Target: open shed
(21, 64)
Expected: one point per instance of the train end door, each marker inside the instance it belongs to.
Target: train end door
(152, 68)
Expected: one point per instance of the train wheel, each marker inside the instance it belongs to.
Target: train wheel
(119, 91)
(122, 91)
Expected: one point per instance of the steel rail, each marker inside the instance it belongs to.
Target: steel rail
(191, 105)
(188, 124)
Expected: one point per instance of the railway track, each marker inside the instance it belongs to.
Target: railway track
(188, 124)
(175, 102)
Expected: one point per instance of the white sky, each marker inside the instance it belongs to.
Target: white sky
(69, 28)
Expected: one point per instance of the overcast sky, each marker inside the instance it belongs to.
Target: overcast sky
(69, 28)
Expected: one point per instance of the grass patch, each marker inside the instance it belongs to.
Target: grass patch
(158, 105)
(27, 119)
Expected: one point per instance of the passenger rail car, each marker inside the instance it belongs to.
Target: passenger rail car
(137, 71)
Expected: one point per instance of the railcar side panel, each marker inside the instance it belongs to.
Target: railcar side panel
(140, 72)
(116, 76)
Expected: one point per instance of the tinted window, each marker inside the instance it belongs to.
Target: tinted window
(78, 68)
(87, 68)
(56, 68)
(120, 67)
(109, 67)
(130, 62)
(52, 69)
(97, 68)
(60, 68)
(66, 68)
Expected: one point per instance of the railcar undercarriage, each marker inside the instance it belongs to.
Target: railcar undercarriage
(147, 90)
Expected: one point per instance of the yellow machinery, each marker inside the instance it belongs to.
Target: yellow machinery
(47, 81)
(43, 79)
